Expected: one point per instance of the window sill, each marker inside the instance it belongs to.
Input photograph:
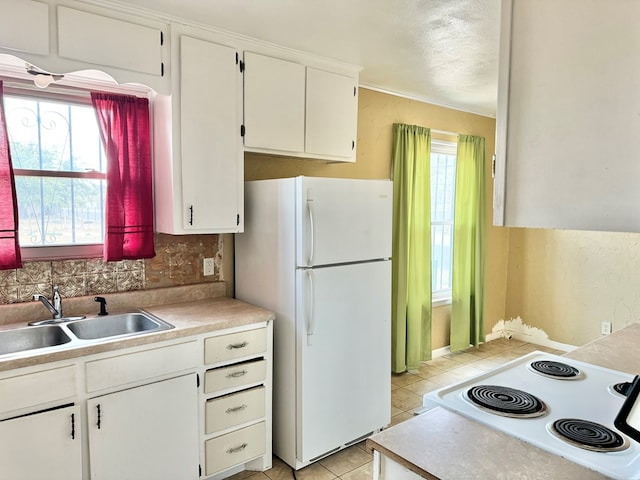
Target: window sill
(62, 252)
(441, 302)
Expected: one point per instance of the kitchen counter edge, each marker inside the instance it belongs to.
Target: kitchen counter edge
(431, 444)
(188, 318)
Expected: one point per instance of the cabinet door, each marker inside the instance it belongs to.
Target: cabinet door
(212, 165)
(12, 26)
(42, 445)
(107, 41)
(145, 432)
(274, 96)
(567, 121)
(332, 111)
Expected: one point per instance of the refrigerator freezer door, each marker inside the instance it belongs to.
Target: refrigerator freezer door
(342, 220)
(343, 346)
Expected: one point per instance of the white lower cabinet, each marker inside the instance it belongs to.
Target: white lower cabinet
(189, 408)
(235, 448)
(145, 432)
(237, 401)
(386, 469)
(234, 409)
(42, 445)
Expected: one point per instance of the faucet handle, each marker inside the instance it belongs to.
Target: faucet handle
(103, 305)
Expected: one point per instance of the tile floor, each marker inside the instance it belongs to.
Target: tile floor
(355, 462)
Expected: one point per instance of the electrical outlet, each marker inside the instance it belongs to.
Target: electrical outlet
(606, 328)
(207, 267)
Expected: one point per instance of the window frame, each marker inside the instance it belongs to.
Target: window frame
(443, 147)
(66, 96)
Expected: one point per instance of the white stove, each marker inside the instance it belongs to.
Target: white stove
(544, 400)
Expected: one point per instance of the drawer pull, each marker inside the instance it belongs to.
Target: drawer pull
(236, 409)
(238, 448)
(237, 374)
(234, 346)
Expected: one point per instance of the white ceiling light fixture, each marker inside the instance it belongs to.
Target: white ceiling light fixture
(42, 79)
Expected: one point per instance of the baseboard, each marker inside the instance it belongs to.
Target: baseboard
(510, 334)
(440, 352)
(543, 342)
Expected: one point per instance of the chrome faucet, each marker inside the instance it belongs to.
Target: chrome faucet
(56, 308)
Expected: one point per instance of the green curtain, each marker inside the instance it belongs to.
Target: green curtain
(469, 244)
(411, 256)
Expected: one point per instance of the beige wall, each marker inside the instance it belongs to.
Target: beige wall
(376, 114)
(567, 282)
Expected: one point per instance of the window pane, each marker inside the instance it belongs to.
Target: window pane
(441, 252)
(56, 136)
(60, 211)
(53, 135)
(443, 175)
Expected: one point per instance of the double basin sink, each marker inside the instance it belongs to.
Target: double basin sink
(80, 331)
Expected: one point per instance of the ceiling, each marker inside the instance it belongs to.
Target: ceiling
(439, 51)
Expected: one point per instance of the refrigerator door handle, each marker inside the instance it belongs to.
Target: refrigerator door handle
(311, 245)
(311, 325)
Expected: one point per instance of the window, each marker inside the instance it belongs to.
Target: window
(59, 167)
(443, 177)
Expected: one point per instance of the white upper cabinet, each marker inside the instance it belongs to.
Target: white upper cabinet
(568, 117)
(199, 170)
(102, 40)
(86, 40)
(294, 109)
(274, 97)
(212, 171)
(332, 114)
(18, 14)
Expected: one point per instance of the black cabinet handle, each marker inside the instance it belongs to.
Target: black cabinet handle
(73, 426)
(190, 214)
(99, 416)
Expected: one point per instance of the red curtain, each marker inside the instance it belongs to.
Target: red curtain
(9, 246)
(124, 128)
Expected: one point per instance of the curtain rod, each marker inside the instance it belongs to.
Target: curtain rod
(444, 132)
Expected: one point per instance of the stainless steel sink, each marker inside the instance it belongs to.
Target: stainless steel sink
(23, 339)
(116, 325)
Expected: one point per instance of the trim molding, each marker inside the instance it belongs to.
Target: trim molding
(544, 342)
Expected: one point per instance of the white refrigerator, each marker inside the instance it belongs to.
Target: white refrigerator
(316, 251)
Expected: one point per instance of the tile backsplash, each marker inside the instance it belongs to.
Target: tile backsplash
(178, 261)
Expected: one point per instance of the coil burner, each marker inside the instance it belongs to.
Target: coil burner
(506, 401)
(588, 435)
(553, 369)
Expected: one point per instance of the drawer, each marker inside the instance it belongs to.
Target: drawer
(235, 375)
(143, 365)
(235, 345)
(234, 409)
(234, 448)
(37, 388)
